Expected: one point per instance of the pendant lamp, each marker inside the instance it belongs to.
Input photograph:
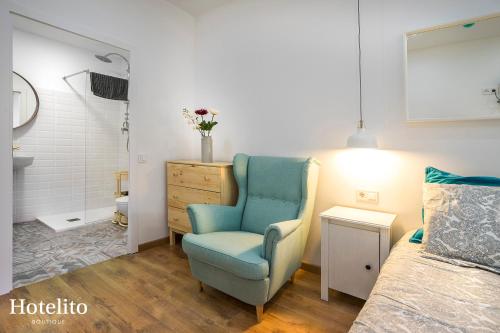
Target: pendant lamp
(362, 138)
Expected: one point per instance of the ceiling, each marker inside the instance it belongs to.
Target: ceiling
(198, 7)
(41, 29)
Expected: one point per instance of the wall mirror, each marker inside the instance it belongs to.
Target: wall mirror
(25, 102)
(453, 71)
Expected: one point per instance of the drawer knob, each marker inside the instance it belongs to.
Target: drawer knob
(206, 178)
(176, 219)
(175, 174)
(176, 196)
(368, 267)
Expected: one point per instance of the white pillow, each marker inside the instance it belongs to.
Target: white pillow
(462, 222)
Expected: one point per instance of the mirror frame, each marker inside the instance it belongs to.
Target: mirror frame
(407, 35)
(33, 116)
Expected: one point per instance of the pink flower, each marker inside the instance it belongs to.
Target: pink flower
(201, 112)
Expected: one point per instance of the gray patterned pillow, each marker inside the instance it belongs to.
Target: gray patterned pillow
(463, 222)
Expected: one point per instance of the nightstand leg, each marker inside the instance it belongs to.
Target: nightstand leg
(292, 278)
(200, 284)
(324, 292)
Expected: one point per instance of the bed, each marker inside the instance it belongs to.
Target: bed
(414, 293)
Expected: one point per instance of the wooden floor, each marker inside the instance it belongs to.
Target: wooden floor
(153, 291)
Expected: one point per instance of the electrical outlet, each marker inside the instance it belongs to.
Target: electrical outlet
(367, 196)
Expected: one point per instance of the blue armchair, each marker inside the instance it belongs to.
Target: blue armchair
(250, 250)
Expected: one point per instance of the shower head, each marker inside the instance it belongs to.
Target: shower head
(103, 58)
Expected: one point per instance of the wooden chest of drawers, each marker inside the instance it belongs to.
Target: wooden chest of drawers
(193, 182)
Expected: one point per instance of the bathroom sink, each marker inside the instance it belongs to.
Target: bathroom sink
(22, 161)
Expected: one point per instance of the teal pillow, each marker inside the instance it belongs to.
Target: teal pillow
(433, 175)
(436, 176)
(417, 236)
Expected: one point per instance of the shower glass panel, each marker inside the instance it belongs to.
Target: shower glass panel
(64, 111)
(78, 141)
(106, 155)
(74, 105)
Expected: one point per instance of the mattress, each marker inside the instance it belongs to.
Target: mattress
(418, 294)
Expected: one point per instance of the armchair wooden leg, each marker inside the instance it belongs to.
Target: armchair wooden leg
(200, 284)
(292, 278)
(259, 310)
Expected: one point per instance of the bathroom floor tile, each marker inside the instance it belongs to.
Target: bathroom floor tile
(22, 279)
(94, 258)
(40, 253)
(115, 248)
(58, 267)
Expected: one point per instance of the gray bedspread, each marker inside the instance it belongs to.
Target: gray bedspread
(418, 294)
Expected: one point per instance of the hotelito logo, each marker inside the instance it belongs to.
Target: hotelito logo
(59, 307)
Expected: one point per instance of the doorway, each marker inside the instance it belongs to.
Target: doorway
(70, 151)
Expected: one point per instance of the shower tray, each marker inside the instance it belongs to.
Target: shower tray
(74, 220)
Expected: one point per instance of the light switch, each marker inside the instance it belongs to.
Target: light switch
(367, 196)
(142, 158)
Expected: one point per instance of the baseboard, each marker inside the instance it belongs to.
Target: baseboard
(311, 268)
(151, 244)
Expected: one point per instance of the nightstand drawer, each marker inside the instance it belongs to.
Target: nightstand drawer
(353, 260)
(180, 197)
(195, 176)
(178, 219)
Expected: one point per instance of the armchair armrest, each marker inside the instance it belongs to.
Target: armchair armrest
(212, 218)
(276, 232)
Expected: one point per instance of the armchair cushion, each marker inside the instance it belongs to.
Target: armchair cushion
(236, 252)
(212, 218)
(274, 191)
(276, 232)
(262, 212)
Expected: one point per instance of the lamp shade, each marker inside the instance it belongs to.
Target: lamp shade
(362, 139)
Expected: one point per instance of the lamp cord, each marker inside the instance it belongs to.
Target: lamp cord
(361, 123)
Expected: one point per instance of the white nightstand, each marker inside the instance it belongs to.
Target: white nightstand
(354, 245)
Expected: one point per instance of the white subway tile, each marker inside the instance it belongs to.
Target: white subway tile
(77, 148)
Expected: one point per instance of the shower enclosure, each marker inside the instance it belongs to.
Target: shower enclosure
(99, 155)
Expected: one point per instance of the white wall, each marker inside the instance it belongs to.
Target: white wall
(160, 39)
(446, 81)
(55, 59)
(283, 73)
(75, 138)
(5, 151)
